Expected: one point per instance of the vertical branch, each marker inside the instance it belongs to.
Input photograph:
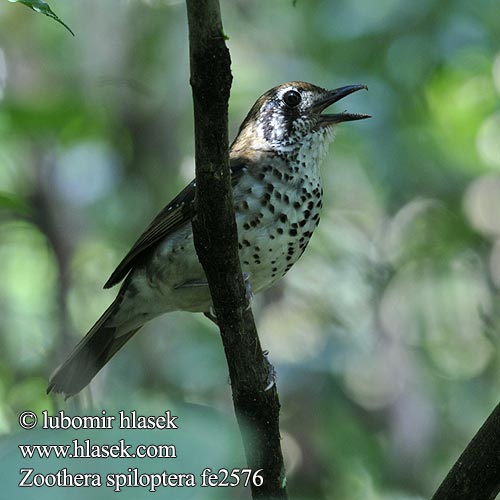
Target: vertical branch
(215, 238)
(476, 474)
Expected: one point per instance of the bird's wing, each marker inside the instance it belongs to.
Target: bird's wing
(179, 211)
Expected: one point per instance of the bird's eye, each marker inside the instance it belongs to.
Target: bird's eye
(292, 98)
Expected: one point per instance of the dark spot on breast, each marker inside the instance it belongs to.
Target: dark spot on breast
(246, 226)
(296, 204)
(283, 218)
(292, 232)
(279, 230)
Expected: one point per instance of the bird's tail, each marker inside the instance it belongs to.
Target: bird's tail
(100, 344)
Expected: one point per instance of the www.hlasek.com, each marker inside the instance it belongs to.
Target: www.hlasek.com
(117, 480)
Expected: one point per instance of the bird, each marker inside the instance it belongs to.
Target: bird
(277, 195)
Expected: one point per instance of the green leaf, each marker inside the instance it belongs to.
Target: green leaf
(42, 7)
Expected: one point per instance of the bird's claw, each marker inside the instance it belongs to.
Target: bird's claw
(212, 312)
(271, 372)
(248, 289)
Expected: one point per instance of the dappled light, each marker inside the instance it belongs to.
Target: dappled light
(384, 336)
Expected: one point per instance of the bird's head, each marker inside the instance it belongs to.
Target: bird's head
(290, 115)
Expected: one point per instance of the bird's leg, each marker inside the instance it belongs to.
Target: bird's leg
(271, 372)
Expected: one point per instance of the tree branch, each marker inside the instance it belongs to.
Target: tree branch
(215, 238)
(476, 474)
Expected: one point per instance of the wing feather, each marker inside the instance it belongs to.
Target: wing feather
(178, 212)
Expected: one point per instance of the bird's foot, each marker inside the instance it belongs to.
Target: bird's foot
(212, 314)
(248, 289)
(271, 372)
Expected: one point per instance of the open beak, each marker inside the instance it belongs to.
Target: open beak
(334, 96)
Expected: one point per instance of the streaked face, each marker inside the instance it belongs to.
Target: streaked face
(290, 113)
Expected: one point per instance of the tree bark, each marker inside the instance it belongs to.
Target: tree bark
(476, 474)
(216, 242)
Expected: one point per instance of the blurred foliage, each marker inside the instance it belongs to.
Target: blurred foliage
(385, 336)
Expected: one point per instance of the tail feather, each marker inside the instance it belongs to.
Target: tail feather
(100, 344)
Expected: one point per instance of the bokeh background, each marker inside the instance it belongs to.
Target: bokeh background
(385, 335)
